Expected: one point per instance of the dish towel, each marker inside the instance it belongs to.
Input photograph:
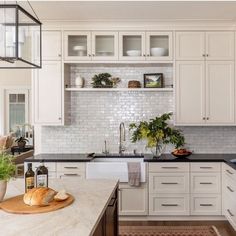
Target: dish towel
(134, 173)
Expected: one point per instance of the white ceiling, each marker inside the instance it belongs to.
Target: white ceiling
(133, 10)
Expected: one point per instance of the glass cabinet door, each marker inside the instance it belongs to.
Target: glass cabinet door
(132, 46)
(77, 45)
(104, 45)
(159, 45)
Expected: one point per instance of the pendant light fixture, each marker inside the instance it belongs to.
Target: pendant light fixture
(20, 38)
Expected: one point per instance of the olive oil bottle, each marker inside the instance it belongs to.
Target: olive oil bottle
(29, 178)
(42, 176)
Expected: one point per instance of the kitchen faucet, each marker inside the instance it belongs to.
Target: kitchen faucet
(122, 139)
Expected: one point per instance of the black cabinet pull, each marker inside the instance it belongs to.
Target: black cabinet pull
(231, 214)
(206, 205)
(206, 183)
(71, 167)
(230, 189)
(167, 205)
(169, 167)
(169, 183)
(205, 167)
(229, 172)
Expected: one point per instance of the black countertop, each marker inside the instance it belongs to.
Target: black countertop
(147, 158)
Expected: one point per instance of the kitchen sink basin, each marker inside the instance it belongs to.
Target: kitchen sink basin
(113, 168)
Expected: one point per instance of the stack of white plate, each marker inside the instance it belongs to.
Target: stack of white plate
(133, 53)
(81, 50)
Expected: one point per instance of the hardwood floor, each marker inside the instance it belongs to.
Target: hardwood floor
(224, 228)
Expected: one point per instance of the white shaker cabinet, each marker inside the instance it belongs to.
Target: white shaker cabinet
(51, 45)
(204, 92)
(190, 94)
(212, 45)
(190, 45)
(48, 94)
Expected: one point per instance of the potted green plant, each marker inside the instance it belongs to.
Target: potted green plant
(102, 80)
(157, 132)
(21, 142)
(7, 170)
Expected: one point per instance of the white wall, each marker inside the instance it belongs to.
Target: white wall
(12, 78)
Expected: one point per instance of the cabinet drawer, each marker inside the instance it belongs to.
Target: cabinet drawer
(205, 204)
(229, 171)
(230, 210)
(169, 204)
(205, 167)
(50, 165)
(169, 183)
(168, 167)
(229, 187)
(205, 182)
(70, 174)
(71, 166)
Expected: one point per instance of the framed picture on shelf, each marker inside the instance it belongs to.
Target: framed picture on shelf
(154, 80)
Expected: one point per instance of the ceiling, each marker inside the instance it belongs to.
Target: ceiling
(133, 10)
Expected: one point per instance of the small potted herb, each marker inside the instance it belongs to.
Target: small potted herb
(21, 142)
(102, 80)
(7, 170)
(157, 132)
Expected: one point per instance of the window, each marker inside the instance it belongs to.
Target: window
(17, 108)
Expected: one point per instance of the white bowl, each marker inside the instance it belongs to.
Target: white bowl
(133, 53)
(158, 52)
(79, 48)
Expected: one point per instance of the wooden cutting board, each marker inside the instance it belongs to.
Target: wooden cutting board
(16, 205)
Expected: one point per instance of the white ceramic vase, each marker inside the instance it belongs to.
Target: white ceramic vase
(3, 188)
(79, 81)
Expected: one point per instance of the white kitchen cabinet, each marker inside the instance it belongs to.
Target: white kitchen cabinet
(168, 204)
(133, 200)
(104, 45)
(71, 170)
(190, 92)
(77, 46)
(48, 94)
(51, 45)
(159, 46)
(204, 92)
(219, 92)
(190, 45)
(132, 42)
(214, 45)
(220, 46)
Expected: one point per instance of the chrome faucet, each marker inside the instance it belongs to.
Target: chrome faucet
(122, 138)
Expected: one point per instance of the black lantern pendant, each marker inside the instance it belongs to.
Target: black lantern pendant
(20, 38)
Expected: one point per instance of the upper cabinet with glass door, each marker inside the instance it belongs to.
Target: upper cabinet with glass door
(132, 46)
(104, 45)
(158, 46)
(77, 45)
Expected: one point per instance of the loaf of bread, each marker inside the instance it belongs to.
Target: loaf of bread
(39, 196)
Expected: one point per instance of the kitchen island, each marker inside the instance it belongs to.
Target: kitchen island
(95, 200)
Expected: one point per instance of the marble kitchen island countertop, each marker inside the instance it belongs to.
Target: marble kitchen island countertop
(80, 218)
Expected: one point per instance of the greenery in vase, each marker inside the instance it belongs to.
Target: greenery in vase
(157, 132)
(102, 80)
(7, 166)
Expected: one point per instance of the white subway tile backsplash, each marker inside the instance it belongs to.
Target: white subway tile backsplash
(95, 116)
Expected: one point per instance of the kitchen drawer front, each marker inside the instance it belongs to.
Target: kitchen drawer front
(169, 204)
(169, 183)
(206, 183)
(69, 174)
(71, 166)
(168, 167)
(229, 187)
(205, 204)
(50, 165)
(229, 171)
(205, 167)
(230, 210)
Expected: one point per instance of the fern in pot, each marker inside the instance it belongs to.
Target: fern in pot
(158, 133)
(7, 170)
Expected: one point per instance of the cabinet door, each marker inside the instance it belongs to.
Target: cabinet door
(159, 46)
(47, 94)
(77, 45)
(104, 45)
(51, 45)
(132, 200)
(190, 92)
(219, 46)
(220, 92)
(190, 46)
(132, 46)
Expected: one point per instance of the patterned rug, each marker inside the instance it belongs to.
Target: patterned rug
(168, 231)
